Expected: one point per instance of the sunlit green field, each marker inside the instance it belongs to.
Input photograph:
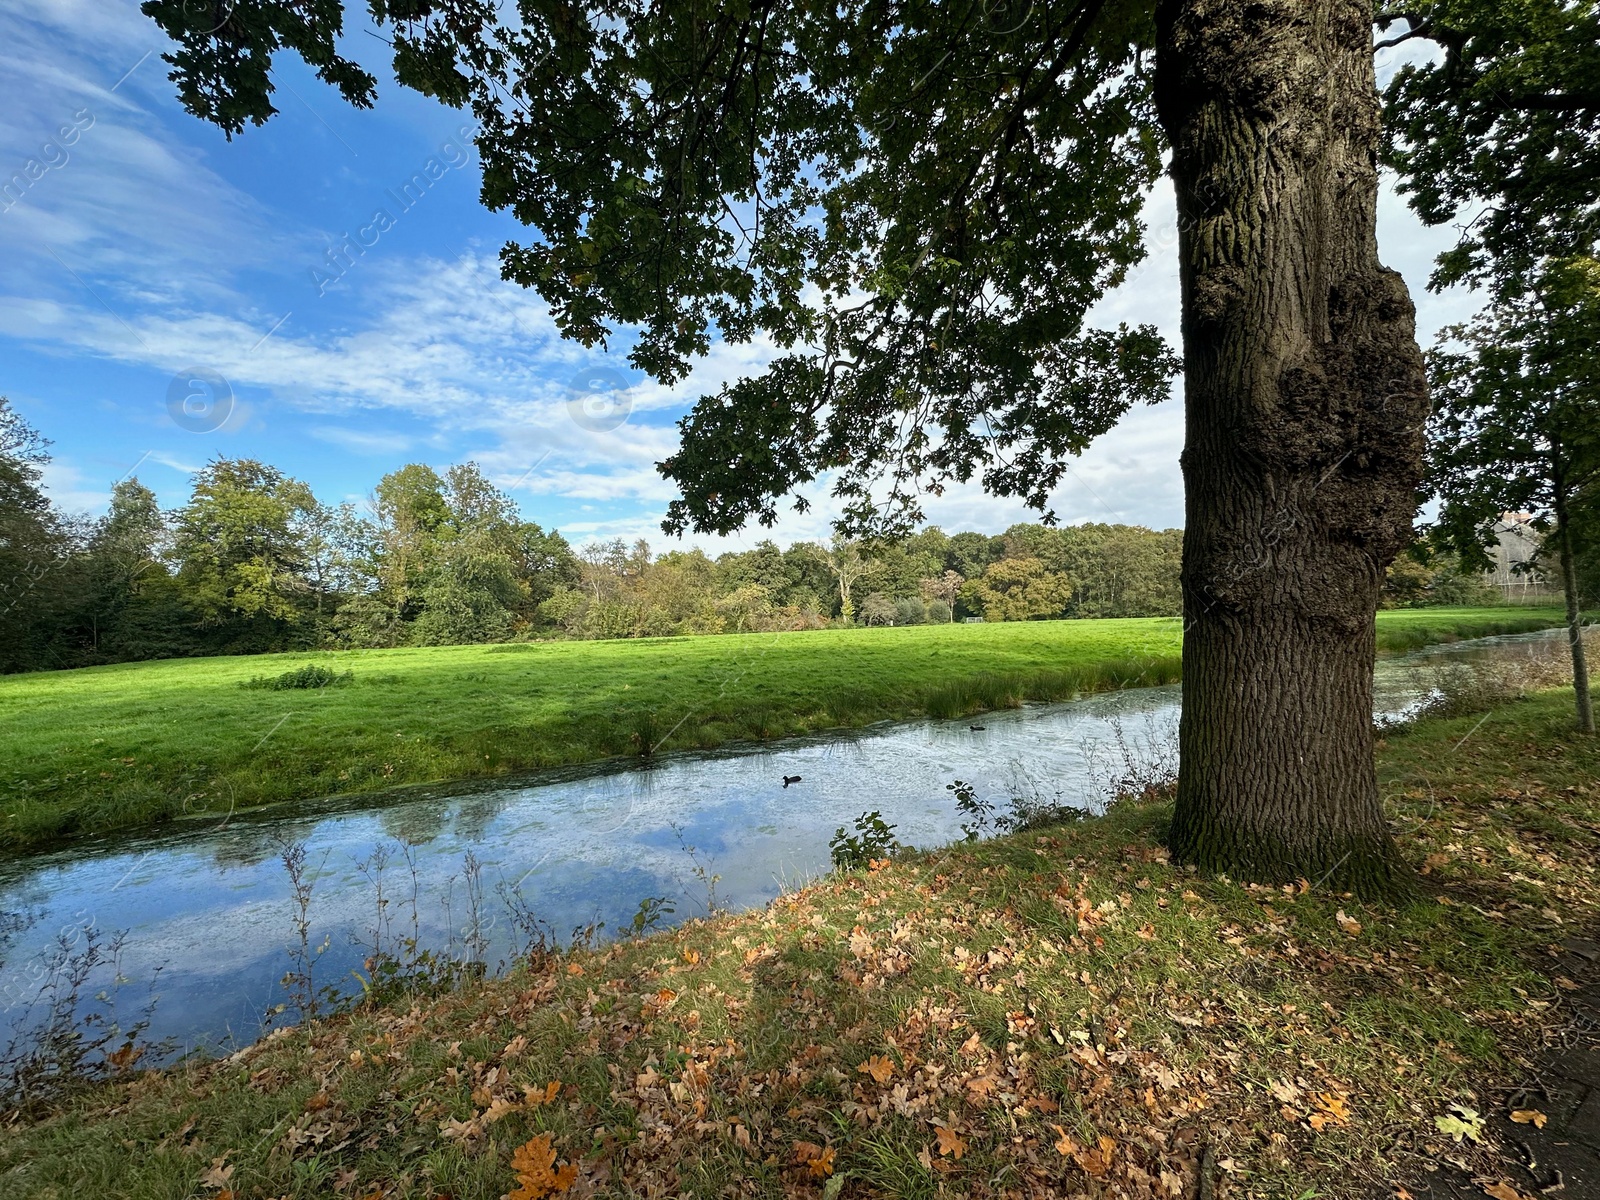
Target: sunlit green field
(113, 747)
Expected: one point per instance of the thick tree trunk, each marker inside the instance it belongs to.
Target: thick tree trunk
(1305, 406)
(1569, 588)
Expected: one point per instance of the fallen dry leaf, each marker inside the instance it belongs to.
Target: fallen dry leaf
(217, 1177)
(983, 1086)
(535, 1096)
(499, 1109)
(1529, 1116)
(822, 1165)
(950, 1142)
(1096, 1160)
(879, 1067)
(1335, 1106)
(538, 1175)
(1461, 1122)
(126, 1057)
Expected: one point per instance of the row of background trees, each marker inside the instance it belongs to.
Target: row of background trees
(256, 563)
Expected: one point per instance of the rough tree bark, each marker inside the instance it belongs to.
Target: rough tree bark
(1305, 408)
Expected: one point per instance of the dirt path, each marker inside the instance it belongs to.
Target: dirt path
(1562, 1159)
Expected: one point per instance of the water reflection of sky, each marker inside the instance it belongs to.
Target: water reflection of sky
(207, 909)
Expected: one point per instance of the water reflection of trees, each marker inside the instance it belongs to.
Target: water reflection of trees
(13, 922)
(251, 845)
(414, 824)
(475, 814)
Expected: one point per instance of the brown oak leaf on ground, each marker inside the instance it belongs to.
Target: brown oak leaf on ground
(538, 1175)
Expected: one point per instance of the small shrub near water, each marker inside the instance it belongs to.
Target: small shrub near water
(68, 1036)
(873, 839)
(308, 676)
(1025, 812)
(645, 733)
(1139, 766)
(652, 915)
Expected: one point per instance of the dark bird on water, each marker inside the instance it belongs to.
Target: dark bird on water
(788, 779)
(975, 728)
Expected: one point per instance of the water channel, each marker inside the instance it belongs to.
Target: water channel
(206, 905)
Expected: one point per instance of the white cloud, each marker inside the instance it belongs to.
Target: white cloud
(70, 490)
(124, 198)
(359, 441)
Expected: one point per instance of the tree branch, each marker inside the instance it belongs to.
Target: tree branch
(1422, 30)
(1556, 102)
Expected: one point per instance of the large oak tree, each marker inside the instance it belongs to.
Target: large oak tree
(917, 204)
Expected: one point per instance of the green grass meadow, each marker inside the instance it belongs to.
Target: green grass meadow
(116, 747)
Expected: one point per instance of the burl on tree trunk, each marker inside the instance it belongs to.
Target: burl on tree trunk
(1305, 408)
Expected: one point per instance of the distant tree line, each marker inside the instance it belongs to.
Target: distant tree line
(255, 563)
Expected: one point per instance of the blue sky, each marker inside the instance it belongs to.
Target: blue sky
(139, 248)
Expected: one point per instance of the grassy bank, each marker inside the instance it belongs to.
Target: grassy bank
(116, 747)
(1059, 1012)
(1403, 629)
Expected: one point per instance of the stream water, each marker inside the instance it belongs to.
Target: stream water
(207, 906)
